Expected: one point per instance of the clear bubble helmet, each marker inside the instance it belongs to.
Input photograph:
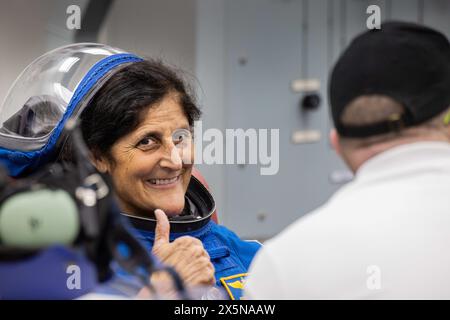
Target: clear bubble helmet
(53, 88)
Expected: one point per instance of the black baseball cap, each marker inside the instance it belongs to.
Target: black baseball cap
(407, 62)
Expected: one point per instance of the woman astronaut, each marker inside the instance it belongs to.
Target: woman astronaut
(136, 117)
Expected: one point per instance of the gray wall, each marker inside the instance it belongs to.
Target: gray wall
(281, 41)
(27, 30)
(160, 29)
(211, 74)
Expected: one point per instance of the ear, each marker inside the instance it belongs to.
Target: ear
(335, 141)
(101, 163)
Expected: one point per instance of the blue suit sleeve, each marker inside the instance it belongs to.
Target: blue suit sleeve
(244, 250)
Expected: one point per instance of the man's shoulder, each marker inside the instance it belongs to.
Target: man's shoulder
(309, 230)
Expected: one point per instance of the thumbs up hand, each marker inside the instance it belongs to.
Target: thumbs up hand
(186, 254)
(162, 231)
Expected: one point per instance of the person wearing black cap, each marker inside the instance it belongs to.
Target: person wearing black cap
(385, 234)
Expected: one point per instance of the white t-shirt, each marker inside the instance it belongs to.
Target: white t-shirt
(385, 235)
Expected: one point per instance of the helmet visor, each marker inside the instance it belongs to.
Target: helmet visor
(38, 99)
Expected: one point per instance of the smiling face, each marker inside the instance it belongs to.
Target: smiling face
(151, 166)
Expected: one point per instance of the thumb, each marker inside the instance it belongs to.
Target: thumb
(162, 230)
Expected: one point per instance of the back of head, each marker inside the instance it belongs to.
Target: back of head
(390, 82)
(388, 88)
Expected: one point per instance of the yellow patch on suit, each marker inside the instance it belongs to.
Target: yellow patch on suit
(234, 285)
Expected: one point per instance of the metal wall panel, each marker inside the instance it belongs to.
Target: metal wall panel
(270, 43)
